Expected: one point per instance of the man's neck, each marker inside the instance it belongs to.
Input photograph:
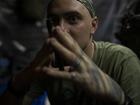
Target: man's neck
(89, 50)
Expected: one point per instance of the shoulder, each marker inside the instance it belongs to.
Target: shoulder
(113, 49)
(116, 60)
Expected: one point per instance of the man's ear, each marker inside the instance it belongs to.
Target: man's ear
(94, 24)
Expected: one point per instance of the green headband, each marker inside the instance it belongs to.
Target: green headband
(89, 5)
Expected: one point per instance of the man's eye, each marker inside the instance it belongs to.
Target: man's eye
(73, 19)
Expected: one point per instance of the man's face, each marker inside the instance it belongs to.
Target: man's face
(74, 17)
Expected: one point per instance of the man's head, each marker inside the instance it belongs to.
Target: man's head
(77, 17)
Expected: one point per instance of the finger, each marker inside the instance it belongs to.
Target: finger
(56, 73)
(53, 72)
(65, 53)
(66, 39)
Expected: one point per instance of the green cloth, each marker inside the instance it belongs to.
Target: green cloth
(119, 62)
(122, 65)
(89, 5)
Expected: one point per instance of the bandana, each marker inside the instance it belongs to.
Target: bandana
(89, 5)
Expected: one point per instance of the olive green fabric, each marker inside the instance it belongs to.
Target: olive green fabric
(119, 62)
(122, 65)
(89, 5)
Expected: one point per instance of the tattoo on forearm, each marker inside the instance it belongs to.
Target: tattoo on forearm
(104, 85)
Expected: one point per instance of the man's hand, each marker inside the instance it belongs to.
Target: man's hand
(69, 50)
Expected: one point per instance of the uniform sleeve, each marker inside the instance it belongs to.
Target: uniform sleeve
(130, 79)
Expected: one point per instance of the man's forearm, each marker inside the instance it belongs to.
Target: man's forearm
(21, 82)
(17, 87)
(105, 87)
